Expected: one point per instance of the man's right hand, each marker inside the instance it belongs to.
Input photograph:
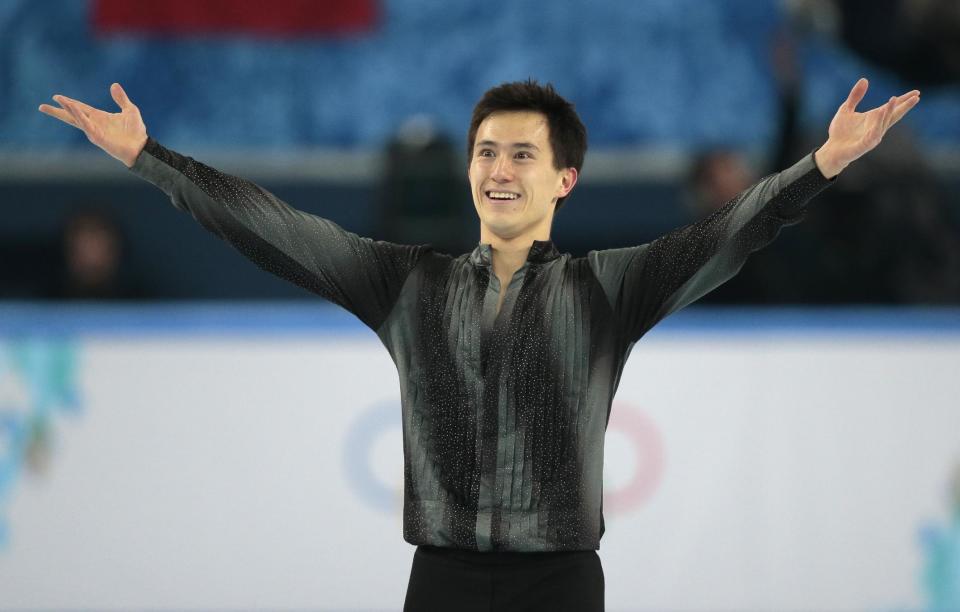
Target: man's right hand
(122, 135)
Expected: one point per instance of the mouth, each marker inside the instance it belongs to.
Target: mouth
(501, 197)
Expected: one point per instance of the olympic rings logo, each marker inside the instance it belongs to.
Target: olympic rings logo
(382, 420)
(646, 446)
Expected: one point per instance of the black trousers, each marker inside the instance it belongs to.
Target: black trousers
(450, 580)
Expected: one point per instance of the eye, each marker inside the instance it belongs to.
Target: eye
(485, 153)
(523, 155)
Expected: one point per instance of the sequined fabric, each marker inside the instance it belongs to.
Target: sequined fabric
(504, 414)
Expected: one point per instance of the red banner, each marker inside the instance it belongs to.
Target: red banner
(270, 18)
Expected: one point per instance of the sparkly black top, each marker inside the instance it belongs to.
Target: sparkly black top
(504, 413)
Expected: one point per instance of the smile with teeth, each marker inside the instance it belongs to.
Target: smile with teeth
(502, 195)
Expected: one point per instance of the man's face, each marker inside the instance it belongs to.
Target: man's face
(514, 183)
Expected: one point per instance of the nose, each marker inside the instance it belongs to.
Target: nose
(502, 169)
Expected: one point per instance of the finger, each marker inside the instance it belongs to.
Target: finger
(74, 113)
(901, 98)
(903, 108)
(856, 94)
(58, 113)
(83, 122)
(86, 108)
(120, 97)
(878, 121)
(888, 113)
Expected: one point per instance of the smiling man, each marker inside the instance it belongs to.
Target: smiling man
(509, 356)
(518, 175)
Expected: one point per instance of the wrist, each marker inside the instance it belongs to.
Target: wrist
(131, 158)
(827, 161)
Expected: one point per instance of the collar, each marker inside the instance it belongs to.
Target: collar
(542, 251)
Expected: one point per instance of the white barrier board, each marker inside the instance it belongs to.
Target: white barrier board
(794, 467)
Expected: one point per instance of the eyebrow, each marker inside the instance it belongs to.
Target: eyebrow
(516, 145)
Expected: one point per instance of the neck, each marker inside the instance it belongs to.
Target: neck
(509, 254)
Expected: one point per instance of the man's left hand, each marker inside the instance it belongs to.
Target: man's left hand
(852, 134)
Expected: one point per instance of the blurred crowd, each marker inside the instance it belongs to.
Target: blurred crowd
(887, 232)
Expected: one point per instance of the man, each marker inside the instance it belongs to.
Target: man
(508, 356)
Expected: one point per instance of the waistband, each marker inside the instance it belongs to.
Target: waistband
(500, 558)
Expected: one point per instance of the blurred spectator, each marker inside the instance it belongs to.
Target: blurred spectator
(886, 231)
(424, 195)
(93, 256)
(717, 176)
(919, 40)
(923, 47)
(883, 233)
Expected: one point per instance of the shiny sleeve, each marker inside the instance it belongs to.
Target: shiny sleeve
(646, 283)
(362, 275)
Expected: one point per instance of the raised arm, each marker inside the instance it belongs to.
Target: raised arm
(644, 284)
(362, 275)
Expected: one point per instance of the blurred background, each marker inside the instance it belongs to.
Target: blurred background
(165, 407)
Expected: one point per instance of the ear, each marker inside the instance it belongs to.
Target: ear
(568, 178)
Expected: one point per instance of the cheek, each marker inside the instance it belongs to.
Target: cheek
(475, 176)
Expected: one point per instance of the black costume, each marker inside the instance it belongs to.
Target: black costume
(503, 414)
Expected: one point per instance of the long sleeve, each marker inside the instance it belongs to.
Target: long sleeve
(362, 275)
(644, 284)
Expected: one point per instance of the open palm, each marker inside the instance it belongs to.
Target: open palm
(122, 135)
(852, 134)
